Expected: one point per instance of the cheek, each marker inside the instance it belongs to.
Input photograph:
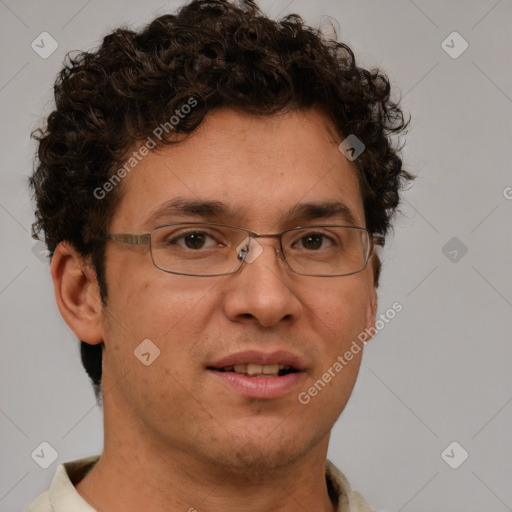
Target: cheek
(172, 315)
(338, 316)
(159, 303)
(340, 310)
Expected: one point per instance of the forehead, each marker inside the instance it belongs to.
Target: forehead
(258, 170)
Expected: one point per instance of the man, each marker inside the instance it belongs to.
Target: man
(212, 190)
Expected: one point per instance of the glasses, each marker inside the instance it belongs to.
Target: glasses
(210, 249)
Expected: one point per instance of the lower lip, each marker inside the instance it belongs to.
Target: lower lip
(260, 387)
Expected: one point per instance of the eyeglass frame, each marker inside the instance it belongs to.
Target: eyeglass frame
(145, 239)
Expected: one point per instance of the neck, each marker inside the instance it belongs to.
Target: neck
(143, 470)
(153, 478)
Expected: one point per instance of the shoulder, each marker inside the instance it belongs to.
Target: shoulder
(62, 495)
(41, 503)
(341, 492)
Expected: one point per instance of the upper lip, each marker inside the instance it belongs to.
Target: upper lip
(263, 358)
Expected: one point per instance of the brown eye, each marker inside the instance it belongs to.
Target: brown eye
(195, 240)
(312, 241)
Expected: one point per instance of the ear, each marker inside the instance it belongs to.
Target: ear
(77, 293)
(371, 313)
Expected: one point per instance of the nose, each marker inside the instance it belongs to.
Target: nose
(263, 290)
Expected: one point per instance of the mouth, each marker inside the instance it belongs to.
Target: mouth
(258, 370)
(254, 374)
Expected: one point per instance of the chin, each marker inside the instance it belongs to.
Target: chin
(265, 454)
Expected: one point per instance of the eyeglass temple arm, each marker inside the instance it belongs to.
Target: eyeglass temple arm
(130, 239)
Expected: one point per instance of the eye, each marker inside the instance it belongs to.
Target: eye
(194, 240)
(314, 241)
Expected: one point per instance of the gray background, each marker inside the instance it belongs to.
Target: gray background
(439, 372)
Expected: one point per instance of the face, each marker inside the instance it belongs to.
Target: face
(260, 170)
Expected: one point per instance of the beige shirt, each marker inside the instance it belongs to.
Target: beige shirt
(63, 497)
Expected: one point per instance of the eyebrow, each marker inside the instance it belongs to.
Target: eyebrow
(187, 207)
(216, 209)
(312, 211)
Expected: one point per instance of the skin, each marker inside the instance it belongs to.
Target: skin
(175, 438)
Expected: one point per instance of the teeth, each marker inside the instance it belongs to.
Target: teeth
(257, 369)
(269, 369)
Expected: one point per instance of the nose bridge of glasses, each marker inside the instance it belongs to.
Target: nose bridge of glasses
(251, 248)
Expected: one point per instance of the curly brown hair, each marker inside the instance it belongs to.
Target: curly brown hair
(221, 55)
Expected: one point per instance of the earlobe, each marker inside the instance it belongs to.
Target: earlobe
(77, 293)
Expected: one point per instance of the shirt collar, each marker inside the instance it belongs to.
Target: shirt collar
(64, 497)
(62, 494)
